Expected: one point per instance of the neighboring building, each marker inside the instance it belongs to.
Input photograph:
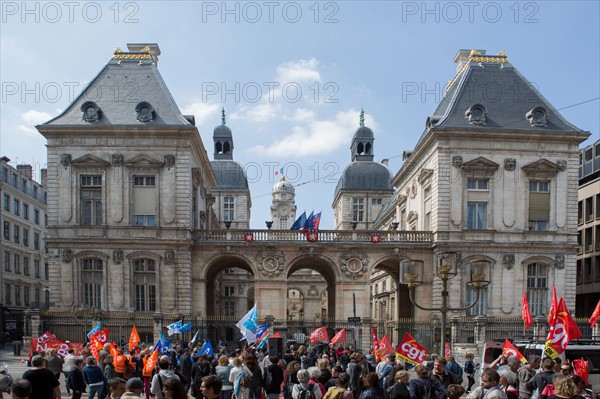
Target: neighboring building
(23, 251)
(491, 178)
(588, 217)
(283, 208)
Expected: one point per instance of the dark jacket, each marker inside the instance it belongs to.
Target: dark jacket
(77, 382)
(426, 388)
(276, 373)
(399, 391)
(375, 392)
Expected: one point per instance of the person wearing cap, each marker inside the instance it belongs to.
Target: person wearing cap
(134, 388)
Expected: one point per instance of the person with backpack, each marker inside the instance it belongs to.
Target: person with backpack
(469, 369)
(340, 389)
(454, 368)
(399, 390)
(159, 379)
(424, 387)
(250, 379)
(544, 379)
(273, 377)
(490, 387)
(304, 389)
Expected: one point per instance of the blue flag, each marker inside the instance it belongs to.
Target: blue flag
(193, 341)
(309, 222)
(163, 344)
(185, 327)
(299, 223)
(174, 328)
(261, 330)
(206, 349)
(95, 330)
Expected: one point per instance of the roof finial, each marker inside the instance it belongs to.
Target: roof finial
(362, 118)
(223, 116)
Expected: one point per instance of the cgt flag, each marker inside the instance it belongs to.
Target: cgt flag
(375, 342)
(319, 335)
(385, 347)
(563, 329)
(510, 350)
(594, 316)
(410, 351)
(339, 337)
(553, 306)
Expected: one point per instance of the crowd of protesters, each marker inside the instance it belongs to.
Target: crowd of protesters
(300, 373)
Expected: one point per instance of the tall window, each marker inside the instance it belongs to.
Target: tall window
(92, 274)
(7, 259)
(357, 209)
(229, 290)
(229, 308)
(26, 265)
(36, 297)
(36, 216)
(17, 261)
(427, 208)
(477, 202)
(16, 205)
(144, 276)
(7, 296)
(6, 202)
(25, 237)
(17, 295)
(16, 233)
(228, 209)
(481, 308)
(91, 200)
(539, 205)
(26, 296)
(36, 241)
(36, 268)
(25, 211)
(537, 287)
(144, 200)
(283, 223)
(7, 231)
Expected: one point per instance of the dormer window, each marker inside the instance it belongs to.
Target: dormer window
(145, 112)
(476, 114)
(91, 111)
(537, 117)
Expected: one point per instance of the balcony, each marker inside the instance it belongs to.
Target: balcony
(338, 236)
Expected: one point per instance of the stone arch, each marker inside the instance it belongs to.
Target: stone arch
(218, 264)
(326, 268)
(391, 265)
(546, 260)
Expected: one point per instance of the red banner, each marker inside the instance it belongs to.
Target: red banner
(563, 329)
(319, 335)
(410, 351)
(62, 348)
(339, 337)
(526, 313)
(510, 350)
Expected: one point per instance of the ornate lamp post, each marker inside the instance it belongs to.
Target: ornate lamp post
(411, 274)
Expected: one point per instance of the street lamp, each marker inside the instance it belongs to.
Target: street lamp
(411, 274)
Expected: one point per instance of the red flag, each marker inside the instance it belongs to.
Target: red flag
(319, 335)
(410, 351)
(385, 347)
(553, 306)
(134, 338)
(447, 351)
(339, 337)
(595, 315)
(563, 329)
(510, 350)
(276, 335)
(525, 312)
(151, 362)
(101, 336)
(581, 368)
(375, 342)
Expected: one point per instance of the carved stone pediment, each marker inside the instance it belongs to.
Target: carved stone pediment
(424, 175)
(90, 160)
(143, 161)
(480, 166)
(543, 169)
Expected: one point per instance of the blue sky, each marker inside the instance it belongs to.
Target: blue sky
(293, 76)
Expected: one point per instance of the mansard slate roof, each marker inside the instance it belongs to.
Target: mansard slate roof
(230, 175)
(128, 79)
(505, 94)
(364, 175)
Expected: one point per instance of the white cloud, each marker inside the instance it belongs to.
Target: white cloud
(298, 71)
(301, 115)
(203, 112)
(33, 117)
(318, 137)
(257, 113)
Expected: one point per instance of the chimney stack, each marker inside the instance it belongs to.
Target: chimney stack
(26, 170)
